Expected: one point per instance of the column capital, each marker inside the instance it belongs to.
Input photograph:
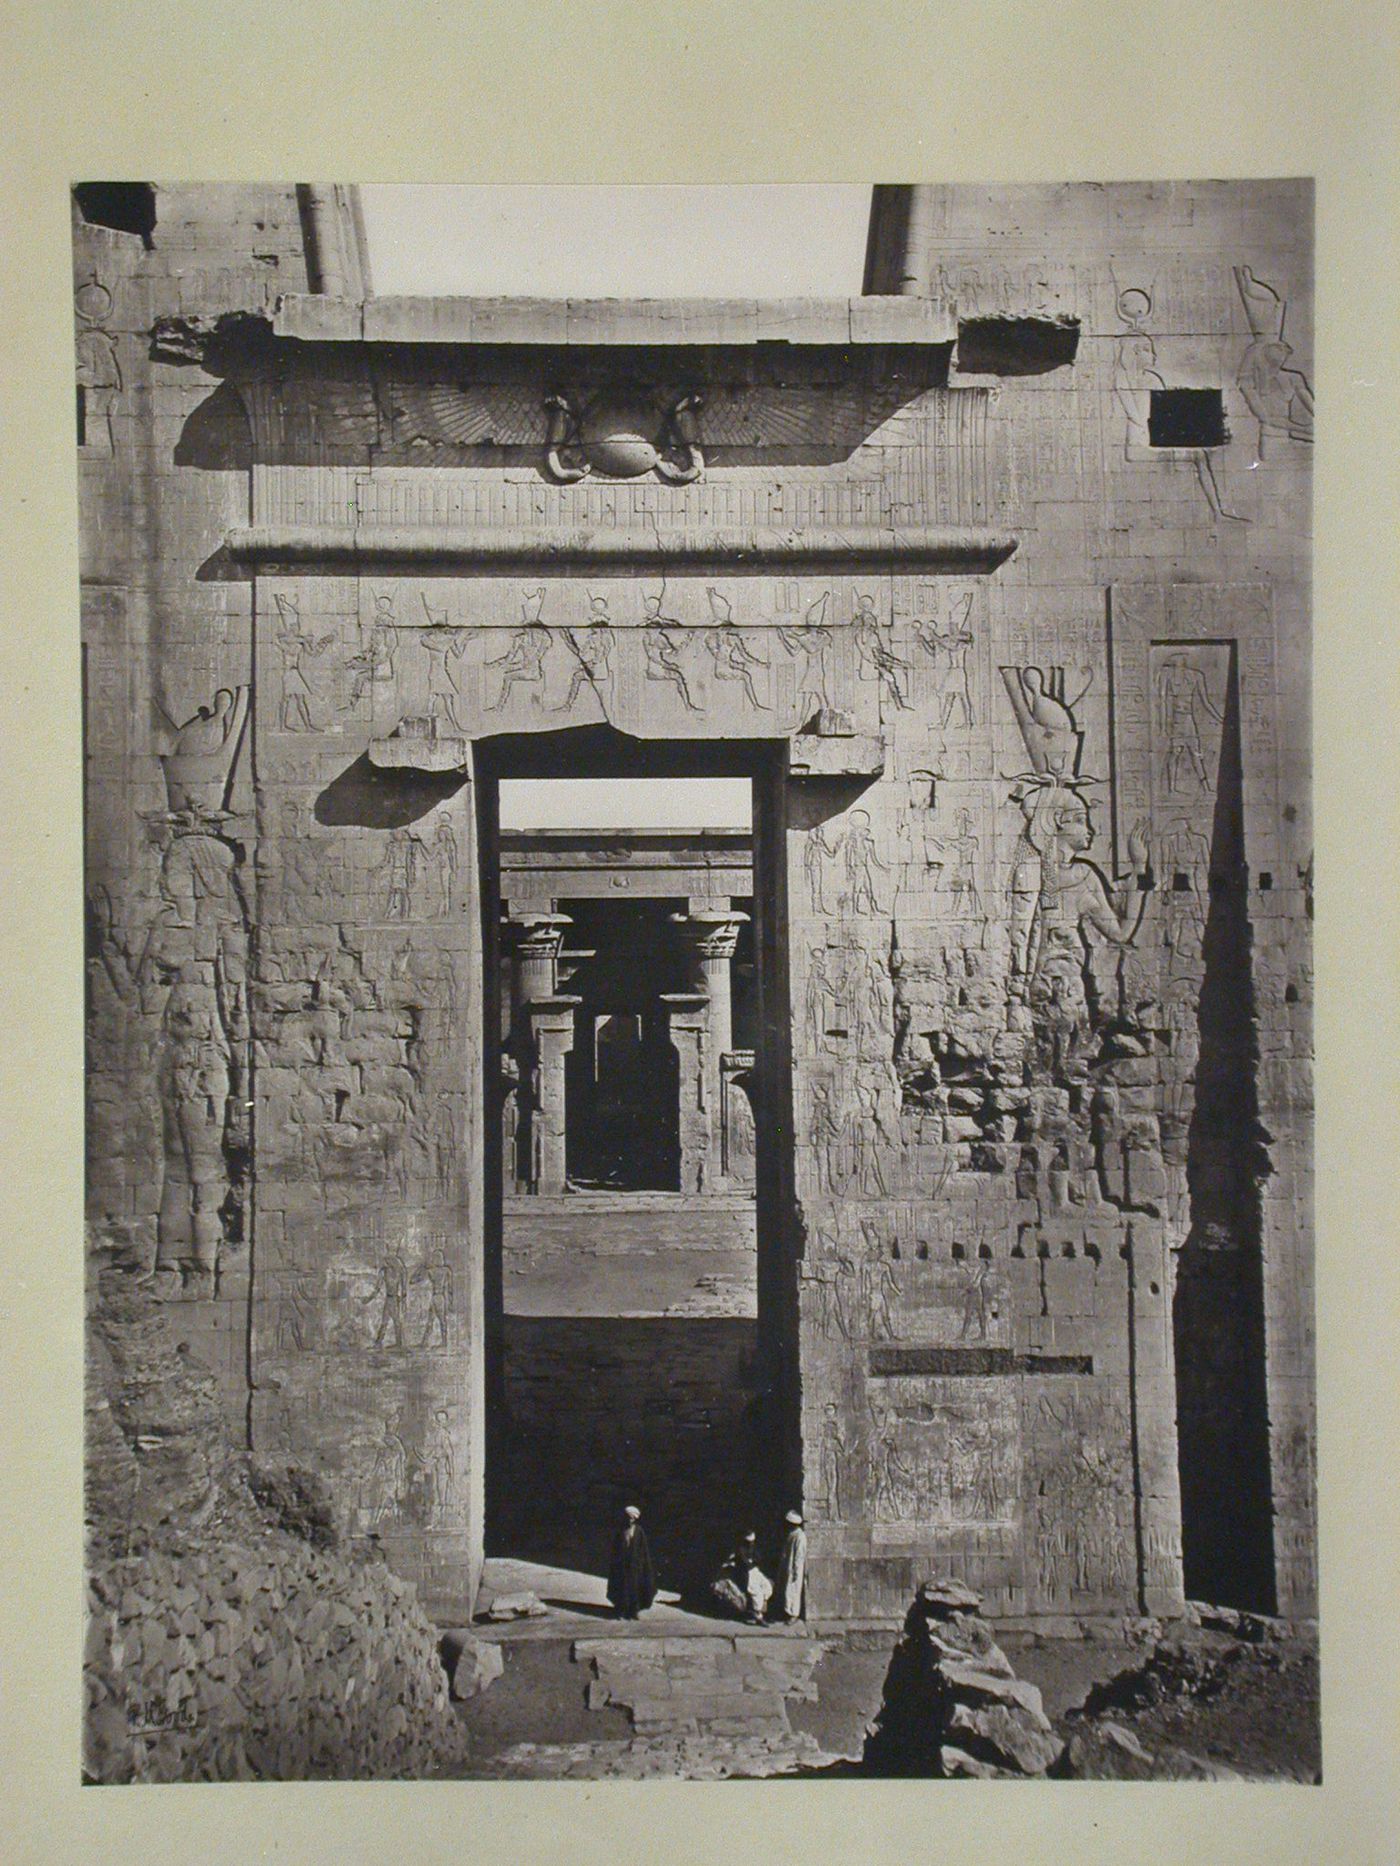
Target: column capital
(710, 935)
(534, 935)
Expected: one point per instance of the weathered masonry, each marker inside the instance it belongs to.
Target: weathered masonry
(994, 581)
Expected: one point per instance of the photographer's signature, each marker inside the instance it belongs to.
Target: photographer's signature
(148, 1715)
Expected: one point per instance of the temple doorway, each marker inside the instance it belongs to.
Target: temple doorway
(633, 1307)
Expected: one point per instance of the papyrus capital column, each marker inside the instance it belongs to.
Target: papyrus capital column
(534, 941)
(709, 939)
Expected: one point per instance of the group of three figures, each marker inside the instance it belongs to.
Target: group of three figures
(741, 1588)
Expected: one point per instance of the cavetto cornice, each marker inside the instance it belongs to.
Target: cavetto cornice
(953, 550)
(617, 322)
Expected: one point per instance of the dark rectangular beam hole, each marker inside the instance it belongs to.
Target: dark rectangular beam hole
(1187, 418)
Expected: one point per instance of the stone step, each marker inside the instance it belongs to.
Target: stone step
(727, 1685)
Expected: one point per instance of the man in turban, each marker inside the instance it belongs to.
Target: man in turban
(631, 1576)
(792, 1568)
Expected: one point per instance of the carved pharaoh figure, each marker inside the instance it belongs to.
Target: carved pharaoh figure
(1060, 903)
(302, 680)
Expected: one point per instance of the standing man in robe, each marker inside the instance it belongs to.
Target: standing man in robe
(631, 1576)
(792, 1569)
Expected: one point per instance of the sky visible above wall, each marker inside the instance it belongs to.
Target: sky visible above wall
(608, 803)
(593, 241)
(762, 241)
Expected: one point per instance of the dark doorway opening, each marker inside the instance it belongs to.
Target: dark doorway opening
(640, 1311)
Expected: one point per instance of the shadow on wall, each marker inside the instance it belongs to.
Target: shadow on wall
(1222, 1405)
(365, 797)
(216, 435)
(601, 1411)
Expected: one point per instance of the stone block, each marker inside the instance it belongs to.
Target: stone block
(973, 1686)
(477, 1663)
(1007, 1736)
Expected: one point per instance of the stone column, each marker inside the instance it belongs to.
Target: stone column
(903, 218)
(687, 1015)
(551, 1039)
(710, 937)
(541, 1035)
(534, 941)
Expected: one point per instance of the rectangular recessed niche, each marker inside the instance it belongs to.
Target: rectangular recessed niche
(975, 1363)
(1187, 418)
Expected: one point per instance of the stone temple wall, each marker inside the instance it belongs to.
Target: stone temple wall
(1010, 575)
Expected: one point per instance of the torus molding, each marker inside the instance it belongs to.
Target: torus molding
(950, 550)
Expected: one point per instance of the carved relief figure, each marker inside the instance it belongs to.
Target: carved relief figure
(99, 370)
(443, 646)
(192, 976)
(872, 1140)
(1185, 858)
(591, 648)
(1135, 376)
(437, 1273)
(1059, 899)
(375, 661)
(876, 655)
(1279, 397)
(437, 1460)
(832, 1460)
(845, 1294)
(523, 662)
(400, 870)
(301, 700)
(816, 850)
(818, 999)
(1182, 697)
(949, 649)
(976, 1300)
(827, 1128)
(894, 1480)
(444, 860)
(808, 645)
(391, 1287)
(881, 1284)
(733, 661)
(384, 1487)
(962, 879)
(660, 650)
(861, 861)
(204, 1016)
(295, 1310)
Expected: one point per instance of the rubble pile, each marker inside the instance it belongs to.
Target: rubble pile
(953, 1706)
(230, 1635)
(273, 1663)
(1220, 1696)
